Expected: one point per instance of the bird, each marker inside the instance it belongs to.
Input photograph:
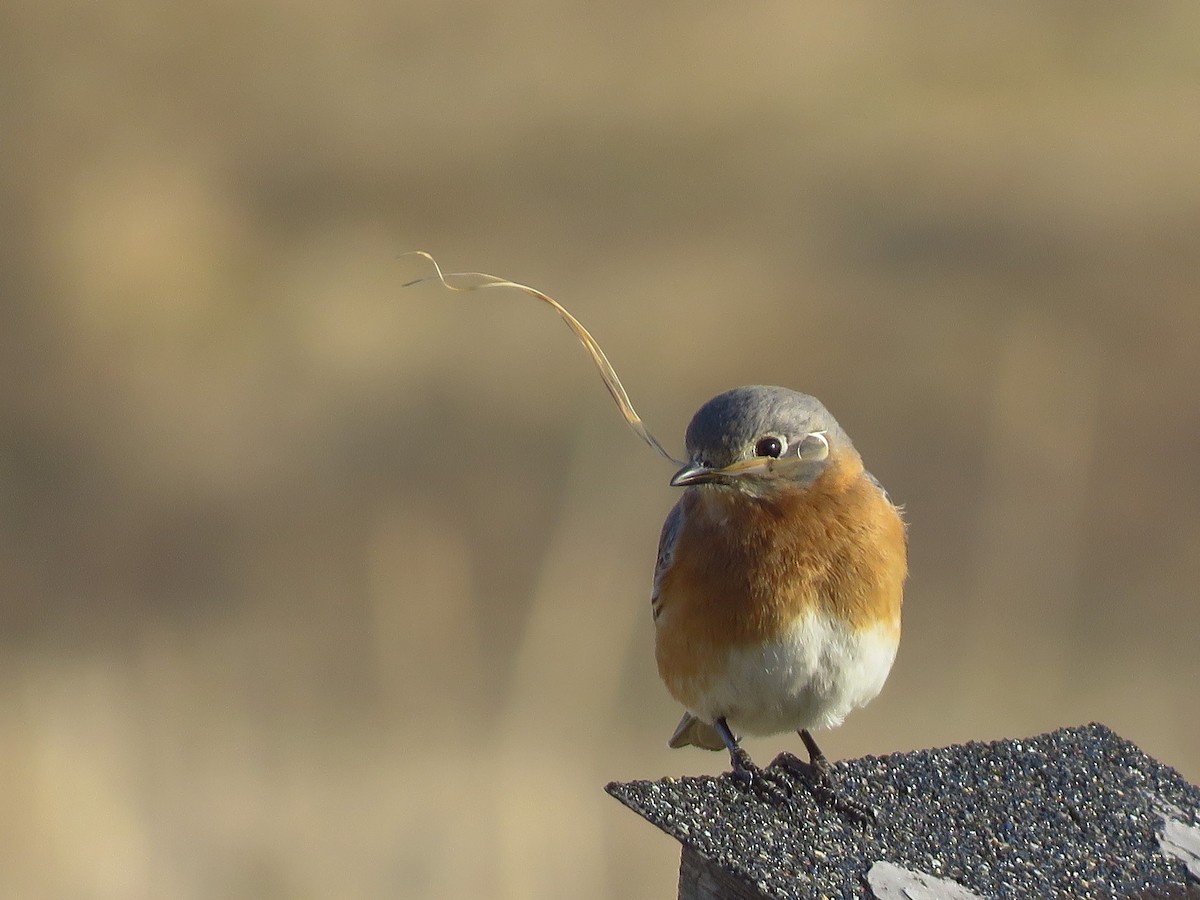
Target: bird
(779, 578)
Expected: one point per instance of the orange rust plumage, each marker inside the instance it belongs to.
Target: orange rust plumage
(746, 568)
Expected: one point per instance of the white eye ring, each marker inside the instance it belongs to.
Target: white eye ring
(814, 446)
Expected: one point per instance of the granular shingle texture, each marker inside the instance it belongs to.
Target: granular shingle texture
(1077, 812)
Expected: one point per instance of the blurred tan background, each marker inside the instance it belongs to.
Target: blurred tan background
(317, 587)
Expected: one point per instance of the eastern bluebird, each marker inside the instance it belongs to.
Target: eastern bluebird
(780, 576)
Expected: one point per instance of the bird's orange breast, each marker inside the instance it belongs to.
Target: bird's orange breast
(744, 569)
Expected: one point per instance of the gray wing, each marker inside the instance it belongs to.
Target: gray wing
(875, 481)
(899, 509)
(666, 550)
(690, 730)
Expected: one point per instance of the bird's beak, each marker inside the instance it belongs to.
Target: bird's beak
(694, 473)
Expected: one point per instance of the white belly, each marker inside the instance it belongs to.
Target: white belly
(809, 678)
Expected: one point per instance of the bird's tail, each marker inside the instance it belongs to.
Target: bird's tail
(695, 733)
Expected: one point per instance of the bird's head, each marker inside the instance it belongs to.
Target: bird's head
(761, 441)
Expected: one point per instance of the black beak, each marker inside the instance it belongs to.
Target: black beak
(694, 473)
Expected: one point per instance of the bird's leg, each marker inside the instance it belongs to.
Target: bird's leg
(817, 774)
(816, 758)
(743, 766)
(744, 769)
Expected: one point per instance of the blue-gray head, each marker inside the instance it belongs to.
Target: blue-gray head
(761, 438)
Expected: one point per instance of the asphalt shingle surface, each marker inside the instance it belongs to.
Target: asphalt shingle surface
(1077, 812)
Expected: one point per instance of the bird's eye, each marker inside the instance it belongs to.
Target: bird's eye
(769, 446)
(813, 447)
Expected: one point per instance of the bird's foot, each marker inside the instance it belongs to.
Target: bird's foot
(765, 785)
(816, 776)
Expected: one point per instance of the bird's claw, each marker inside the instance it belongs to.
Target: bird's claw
(858, 812)
(816, 776)
(765, 785)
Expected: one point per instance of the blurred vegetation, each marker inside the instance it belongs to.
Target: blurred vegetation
(315, 587)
